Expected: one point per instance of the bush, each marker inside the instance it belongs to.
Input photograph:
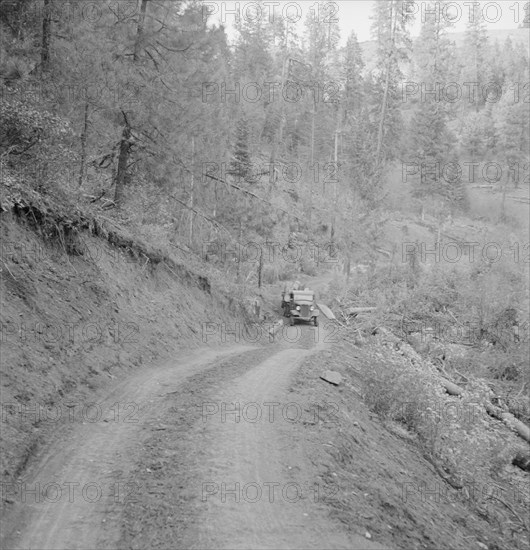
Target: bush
(404, 396)
(35, 144)
(308, 266)
(270, 274)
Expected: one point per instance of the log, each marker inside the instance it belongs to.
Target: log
(522, 461)
(509, 419)
(384, 252)
(450, 388)
(356, 310)
(332, 377)
(326, 311)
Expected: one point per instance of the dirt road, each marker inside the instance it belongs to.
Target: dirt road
(255, 490)
(79, 477)
(259, 487)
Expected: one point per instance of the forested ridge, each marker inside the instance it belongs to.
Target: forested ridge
(239, 152)
(148, 108)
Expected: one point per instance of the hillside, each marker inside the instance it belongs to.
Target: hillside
(105, 364)
(84, 304)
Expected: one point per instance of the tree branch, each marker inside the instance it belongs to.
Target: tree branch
(174, 50)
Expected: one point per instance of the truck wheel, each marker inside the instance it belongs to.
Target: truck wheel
(291, 321)
(315, 321)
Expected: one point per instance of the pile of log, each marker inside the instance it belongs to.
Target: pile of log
(521, 460)
(509, 419)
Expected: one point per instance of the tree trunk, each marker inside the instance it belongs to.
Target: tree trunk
(310, 213)
(384, 106)
(214, 213)
(278, 134)
(123, 160)
(140, 30)
(238, 257)
(335, 186)
(192, 191)
(46, 29)
(382, 119)
(503, 201)
(260, 268)
(83, 146)
(509, 419)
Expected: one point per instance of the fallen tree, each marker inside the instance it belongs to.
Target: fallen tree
(453, 389)
(509, 419)
(356, 310)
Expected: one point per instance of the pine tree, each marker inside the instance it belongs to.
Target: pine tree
(472, 137)
(241, 165)
(431, 139)
(353, 79)
(476, 51)
(513, 126)
(252, 59)
(391, 30)
(454, 189)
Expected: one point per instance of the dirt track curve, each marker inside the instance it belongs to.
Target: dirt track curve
(256, 455)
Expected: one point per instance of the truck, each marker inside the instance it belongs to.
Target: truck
(300, 305)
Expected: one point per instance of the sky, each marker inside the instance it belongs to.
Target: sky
(355, 14)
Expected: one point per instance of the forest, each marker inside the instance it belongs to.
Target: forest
(150, 109)
(246, 151)
(238, 151)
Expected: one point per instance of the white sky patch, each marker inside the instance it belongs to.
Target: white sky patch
(355, 14)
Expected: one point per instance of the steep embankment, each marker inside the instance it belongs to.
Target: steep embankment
(72, 323)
